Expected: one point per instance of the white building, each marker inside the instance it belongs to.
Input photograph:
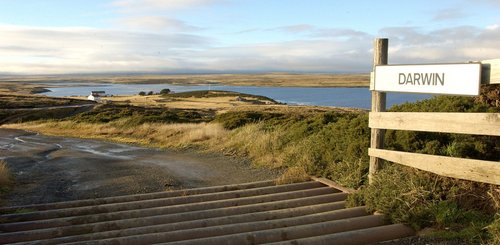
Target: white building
(96, 95)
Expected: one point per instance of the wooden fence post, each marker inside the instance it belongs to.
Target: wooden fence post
(380, 57)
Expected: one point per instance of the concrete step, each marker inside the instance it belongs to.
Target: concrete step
(252, 213)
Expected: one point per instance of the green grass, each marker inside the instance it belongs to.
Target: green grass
(214, 94)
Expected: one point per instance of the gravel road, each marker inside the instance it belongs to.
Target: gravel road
(49, 169)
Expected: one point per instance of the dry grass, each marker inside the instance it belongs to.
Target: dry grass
(266, 148)
(293, 175)
(178, 135)
(254, 141)
(216, 103)
(5, 176)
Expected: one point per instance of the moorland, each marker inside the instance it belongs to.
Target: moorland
(27, 84)
(306, 140)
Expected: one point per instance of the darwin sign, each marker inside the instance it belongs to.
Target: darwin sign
(455, 79)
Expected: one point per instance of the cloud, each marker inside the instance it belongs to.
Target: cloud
(156, 23)
(154, 15)
(493, 27)
(28, 50)
(456, 44)
(449, 14)
(313, 31)
(161, 5)
(342, 33)
(299, 28)
(299, 56)
(494, 3)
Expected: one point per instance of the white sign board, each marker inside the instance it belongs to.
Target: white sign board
(455, 79)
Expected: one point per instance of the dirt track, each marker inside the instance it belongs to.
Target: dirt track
(48, 169)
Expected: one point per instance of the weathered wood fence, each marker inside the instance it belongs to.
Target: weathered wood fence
(461, 123)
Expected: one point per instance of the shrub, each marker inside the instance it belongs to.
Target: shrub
(165, 91)
(234, 120)
(424, 199)
(142, 93)
(138, 115)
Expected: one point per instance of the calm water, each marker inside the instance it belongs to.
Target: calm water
(342, 97)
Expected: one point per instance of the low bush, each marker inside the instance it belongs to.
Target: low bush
(165, 91)
(139, 115)
(460, 209)
(234, 120)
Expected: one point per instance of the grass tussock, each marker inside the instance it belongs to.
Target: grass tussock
(5, 175)
(293, 175)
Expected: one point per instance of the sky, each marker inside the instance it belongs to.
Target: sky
(234, 36)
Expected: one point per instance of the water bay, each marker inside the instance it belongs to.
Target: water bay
(319, 96)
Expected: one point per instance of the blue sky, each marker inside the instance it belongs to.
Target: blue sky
(91, 36)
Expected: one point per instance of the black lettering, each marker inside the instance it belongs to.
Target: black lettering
(409, 79)
(416, 78)
(426, 79)
(440, 78)
(402, 82)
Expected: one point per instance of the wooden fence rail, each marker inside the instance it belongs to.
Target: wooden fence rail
(448, 122)
(468, 169)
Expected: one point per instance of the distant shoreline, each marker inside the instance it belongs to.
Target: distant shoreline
(258, 80)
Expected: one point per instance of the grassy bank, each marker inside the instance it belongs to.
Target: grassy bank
(328, 143)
